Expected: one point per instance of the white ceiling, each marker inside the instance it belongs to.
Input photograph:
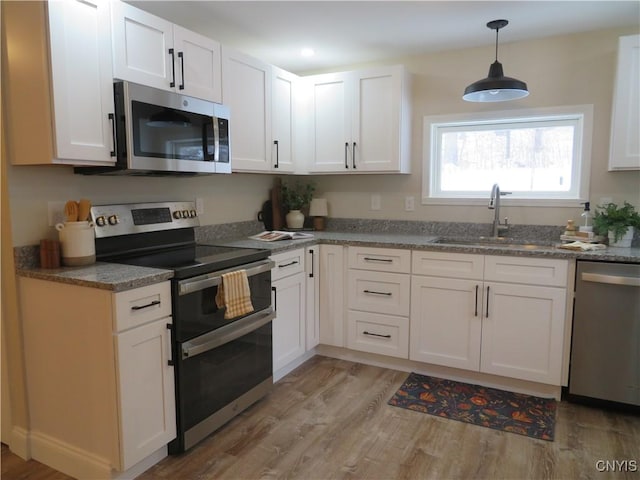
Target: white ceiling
(348, 33)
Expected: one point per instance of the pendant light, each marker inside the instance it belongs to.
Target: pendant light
(496, 87)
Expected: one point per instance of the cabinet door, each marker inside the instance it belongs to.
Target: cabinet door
(523, 331)
(198, 65)
(289, 340)
(377, 120)
(82, 81)
(146, 390)
(312, 288)
(331, 109)
(332, 286)
(446, 322)
(141, 47)
(283, 86)
(246, 90)
(625, 121)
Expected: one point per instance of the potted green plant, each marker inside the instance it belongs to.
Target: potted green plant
(617, 222)
(295, 197)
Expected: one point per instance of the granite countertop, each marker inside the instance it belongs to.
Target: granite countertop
(117, 277)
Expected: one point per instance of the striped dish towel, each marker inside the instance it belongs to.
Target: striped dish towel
(234, 294)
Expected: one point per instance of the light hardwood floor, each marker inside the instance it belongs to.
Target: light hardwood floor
(330, 419)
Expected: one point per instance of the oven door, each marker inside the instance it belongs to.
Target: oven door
(221, 373)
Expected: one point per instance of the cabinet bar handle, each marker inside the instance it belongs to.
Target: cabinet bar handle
(275, 298)
(141, 307)
(288, 264)
(376, 335)
(346, 154)
(487, 313)
(373, 292)
(312, 252)
(353, 156)
(173, 68)
(476, 305)
(112, 118)
(275, 142)
(181, 57)
(385, 260)
(170, 362)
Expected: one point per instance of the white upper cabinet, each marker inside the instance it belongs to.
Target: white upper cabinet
(246, 87)
(152, 51)
(359, 121)
(625, 118)
(283, 104)
(57, 82)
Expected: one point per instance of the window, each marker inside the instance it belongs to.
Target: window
(541, 156)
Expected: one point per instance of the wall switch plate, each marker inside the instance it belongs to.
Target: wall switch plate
(409, 204)
(55, 213)
(376, 202)
(199, 206)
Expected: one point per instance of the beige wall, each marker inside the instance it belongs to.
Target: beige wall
(568, 70)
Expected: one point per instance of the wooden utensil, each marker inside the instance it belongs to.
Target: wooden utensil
(84, 209)
(71, 211)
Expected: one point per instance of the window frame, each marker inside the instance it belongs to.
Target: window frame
(583, 114)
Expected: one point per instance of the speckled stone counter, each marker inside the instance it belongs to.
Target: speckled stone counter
(107, 276)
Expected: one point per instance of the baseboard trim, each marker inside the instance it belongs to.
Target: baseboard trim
(19, 442)
(68, 459)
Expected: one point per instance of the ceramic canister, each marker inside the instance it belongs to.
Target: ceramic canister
(77, 240)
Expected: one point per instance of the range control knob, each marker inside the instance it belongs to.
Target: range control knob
(185, 213)
(101, 221)
(113, 220)
(177, 214)
(192, 214)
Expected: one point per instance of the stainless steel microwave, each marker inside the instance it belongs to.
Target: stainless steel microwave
(166, 133)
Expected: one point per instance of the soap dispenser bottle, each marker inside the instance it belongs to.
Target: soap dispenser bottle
(587, 218)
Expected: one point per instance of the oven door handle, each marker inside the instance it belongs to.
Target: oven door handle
(226, 334)
(201, 282)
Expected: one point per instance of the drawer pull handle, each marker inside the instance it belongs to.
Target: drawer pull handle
(373, 292)
(385, 260)
(376, 335)
(288, 264)
(141, 307)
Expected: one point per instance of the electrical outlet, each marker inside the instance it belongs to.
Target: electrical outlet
(199, 206)
(409, 204)
(376, 202)
(56, 213)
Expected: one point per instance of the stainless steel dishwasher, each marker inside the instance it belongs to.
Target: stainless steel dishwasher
(605, 346)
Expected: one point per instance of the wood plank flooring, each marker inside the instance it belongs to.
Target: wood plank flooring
(329, 419)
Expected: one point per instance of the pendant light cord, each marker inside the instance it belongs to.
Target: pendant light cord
(497, 30)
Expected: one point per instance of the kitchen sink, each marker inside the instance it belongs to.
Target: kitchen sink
(503, 242)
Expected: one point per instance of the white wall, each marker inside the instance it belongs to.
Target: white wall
(568, 70)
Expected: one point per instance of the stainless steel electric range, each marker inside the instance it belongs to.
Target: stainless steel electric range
(221, 366)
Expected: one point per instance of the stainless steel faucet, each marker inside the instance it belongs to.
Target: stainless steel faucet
(499, 229)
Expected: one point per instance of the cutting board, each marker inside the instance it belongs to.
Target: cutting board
(276, 204)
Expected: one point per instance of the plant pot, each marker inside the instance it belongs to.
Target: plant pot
(295, 219)
(624, 241)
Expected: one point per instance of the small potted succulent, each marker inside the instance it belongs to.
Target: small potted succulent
(295, 197)
(617, 222)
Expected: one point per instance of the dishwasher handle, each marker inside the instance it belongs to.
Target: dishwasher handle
(611, 279)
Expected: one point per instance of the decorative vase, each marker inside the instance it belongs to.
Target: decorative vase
(295, 219)
(624, 241)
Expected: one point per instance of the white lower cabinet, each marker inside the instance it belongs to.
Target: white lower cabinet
(104, 359)
(513, 328)
(332, 295)
(289, 299)
(378, 300)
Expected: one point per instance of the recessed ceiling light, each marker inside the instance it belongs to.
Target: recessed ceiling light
(307, 52)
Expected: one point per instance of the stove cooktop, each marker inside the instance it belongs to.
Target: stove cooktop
(192, 260)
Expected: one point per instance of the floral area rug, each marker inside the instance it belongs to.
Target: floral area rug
(487, 407)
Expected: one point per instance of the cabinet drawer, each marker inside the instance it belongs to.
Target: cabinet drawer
(532, 271)
(287, 263)
(141, 305)
(382, 334)
(379, 292)
(380, 259)
(454, 265)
